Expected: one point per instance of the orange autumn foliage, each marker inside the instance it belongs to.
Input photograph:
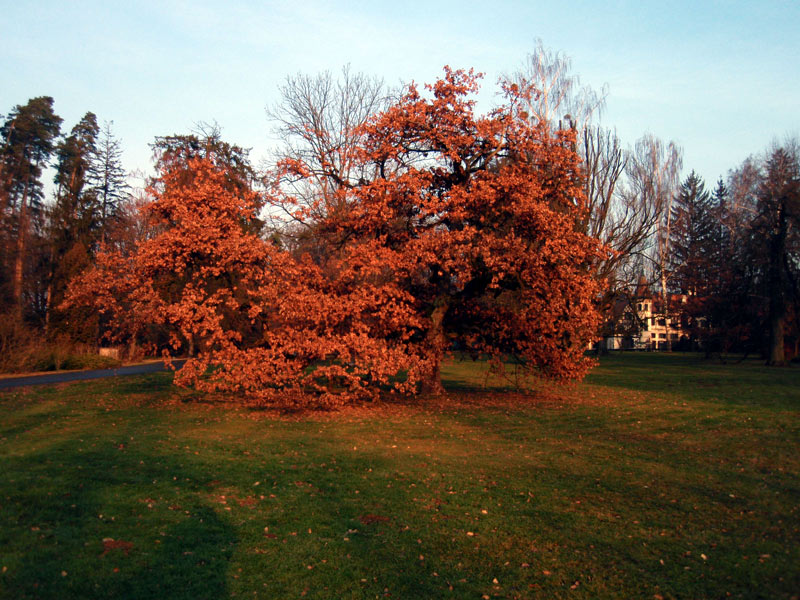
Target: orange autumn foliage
(264, 325)
(476, 218)
(464, 239)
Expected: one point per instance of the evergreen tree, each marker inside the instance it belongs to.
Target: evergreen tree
(721, 236)
(108, 179)
(74, 216)
(74, 223)
(27, 139)
(692, 237)
(728, 306)
(692, 251)
(175, 152)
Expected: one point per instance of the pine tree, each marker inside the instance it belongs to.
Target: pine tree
(74, 222)
(759, 300)
(692, 237)
(692, 250)
(109, 178)
(27, 139)
(720, 232)
(74, 216)
(725, 305)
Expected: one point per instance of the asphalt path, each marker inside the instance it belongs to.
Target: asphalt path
(65, 377)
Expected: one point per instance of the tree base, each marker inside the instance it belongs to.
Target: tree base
(433, 387)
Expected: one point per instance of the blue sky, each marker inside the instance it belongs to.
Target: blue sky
(722, 79)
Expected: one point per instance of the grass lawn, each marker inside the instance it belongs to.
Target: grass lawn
(660, 476)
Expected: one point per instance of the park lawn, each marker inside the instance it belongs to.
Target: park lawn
(660, 476)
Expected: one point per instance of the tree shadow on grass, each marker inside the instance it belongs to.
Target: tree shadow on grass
(155, 383)
(74, 525)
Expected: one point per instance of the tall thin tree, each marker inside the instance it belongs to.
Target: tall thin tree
(74, 223)
(110, 178)
(28, 138)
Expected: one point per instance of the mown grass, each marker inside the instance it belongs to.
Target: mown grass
(659, 476)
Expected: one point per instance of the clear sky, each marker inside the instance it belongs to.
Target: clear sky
(722, 79)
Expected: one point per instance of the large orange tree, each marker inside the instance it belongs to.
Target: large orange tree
(475, 218)
(464, 237)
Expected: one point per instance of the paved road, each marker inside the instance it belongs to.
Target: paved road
(155, 367)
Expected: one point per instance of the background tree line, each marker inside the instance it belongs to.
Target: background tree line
(46, 242)
(733, 251)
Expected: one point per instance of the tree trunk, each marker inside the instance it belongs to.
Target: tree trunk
(663, 251)
(51, 276)
(19, 261)
(432, 384)
(777, 357)
(777, 296)
(437, 341)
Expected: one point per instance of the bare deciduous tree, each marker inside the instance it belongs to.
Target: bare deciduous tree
(560, 99)
(653, 176)
(318, 121)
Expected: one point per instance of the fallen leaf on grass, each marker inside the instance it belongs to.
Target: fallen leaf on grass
(110, 544)
(370, 519)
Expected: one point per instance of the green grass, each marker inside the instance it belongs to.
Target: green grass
(660, 476)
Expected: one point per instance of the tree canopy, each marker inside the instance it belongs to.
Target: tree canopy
(476, 216)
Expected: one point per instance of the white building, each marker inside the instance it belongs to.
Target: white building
(642, 325)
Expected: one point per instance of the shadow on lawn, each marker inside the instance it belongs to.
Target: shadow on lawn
(76, 523)
(154, 383)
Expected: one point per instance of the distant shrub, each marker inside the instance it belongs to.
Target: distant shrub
(22, 351)
(57, 358)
